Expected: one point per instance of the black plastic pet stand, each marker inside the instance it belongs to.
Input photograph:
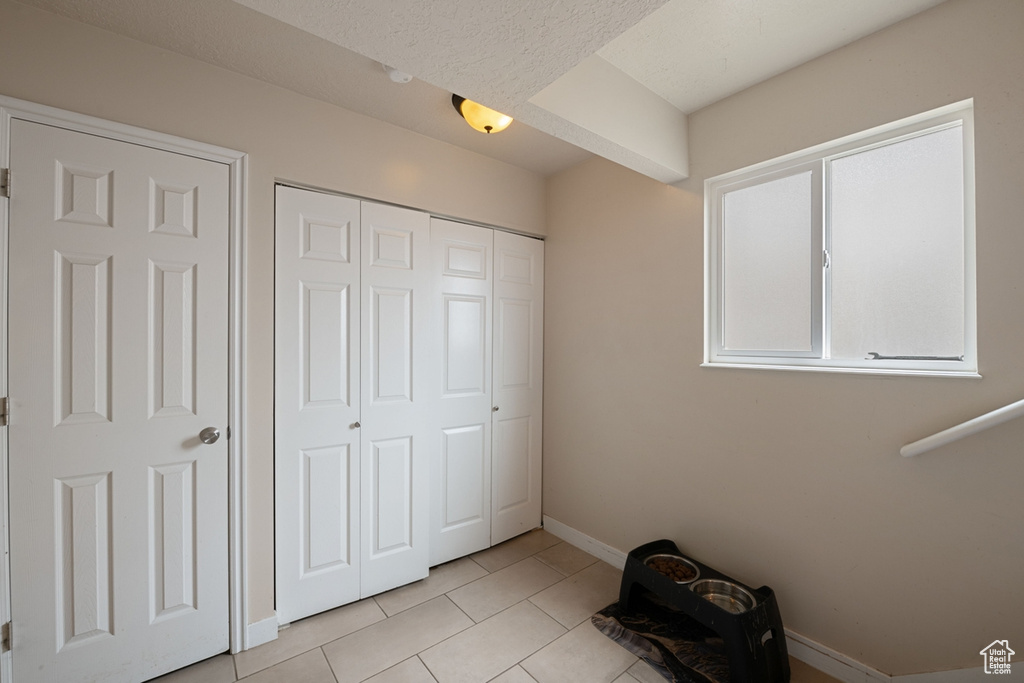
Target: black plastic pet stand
(754, 640)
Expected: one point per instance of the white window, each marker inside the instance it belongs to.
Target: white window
(856, 255)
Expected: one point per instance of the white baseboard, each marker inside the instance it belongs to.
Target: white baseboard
(261, 632)
(849, 670)
(954, 676)
(835, 664)
(615, 558)
(825, 659)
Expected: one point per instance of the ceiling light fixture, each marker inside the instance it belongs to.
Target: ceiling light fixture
(480, 117)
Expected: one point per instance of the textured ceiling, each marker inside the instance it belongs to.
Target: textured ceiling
(234, 37)
(500, 52)
(689, 53)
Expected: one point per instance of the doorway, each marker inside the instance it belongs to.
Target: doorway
(122, 371)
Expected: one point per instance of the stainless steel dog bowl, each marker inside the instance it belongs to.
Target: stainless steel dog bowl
(672, 559)
(726, 594)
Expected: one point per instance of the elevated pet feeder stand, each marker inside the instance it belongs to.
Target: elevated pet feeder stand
(747, 620)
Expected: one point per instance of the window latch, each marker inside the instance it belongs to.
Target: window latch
(874, 355)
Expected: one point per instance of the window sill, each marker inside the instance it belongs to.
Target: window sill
(846, 370)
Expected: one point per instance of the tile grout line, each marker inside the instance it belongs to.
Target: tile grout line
(449, 599)
(471, 559)
(328, 660)
(424, 664)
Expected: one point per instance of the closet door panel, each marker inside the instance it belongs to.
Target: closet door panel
(461, 390)
(316, 370)
(398, 353)
(518, 385)
(390, 495)
(390, 354)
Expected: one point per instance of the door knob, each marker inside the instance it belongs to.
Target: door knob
(354, 425)
(209, 435)
(495, 408)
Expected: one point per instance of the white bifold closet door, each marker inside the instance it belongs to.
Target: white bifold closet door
(351, 443)
(316, 388)
(518, 385)
(488, 388)
(397, 354)
(461, 506)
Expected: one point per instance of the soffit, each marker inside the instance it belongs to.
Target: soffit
(696, 52)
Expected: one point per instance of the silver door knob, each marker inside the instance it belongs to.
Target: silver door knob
(209, 435)
(495, 408)
(354, 425)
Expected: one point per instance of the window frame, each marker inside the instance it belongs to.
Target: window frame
(817, 159)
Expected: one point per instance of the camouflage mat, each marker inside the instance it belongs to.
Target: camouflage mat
(676, 646)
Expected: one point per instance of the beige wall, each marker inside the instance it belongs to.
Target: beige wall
(64, 64)
(795, 479)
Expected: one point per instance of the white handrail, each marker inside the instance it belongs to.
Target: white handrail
(997, 416)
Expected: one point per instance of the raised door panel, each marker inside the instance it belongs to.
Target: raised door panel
(460, 521)
(326, 345)
(82, 362)
(390, 494)
(172, 539)
(119, 256)
(85, 585)
(316, 405)
(172, 365)
(466, 355)
(514, 469)
(325, 538)
(390, 353)
(518, 385)
(465, 482)
(397, 355)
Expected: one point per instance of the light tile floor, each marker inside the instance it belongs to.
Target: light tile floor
(516, 613)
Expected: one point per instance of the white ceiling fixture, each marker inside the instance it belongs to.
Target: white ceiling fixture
(615, 79)
(396, 75)
(479, 117)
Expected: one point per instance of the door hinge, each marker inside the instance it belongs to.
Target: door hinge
(5, 637)
(3, 412)
(5, 182)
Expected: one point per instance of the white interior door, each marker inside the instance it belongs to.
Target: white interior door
(118, 354)
(518, 385)
(461, 387)
(397, 354)
(316, 410)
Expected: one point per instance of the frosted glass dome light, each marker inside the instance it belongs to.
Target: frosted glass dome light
(480, 117)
